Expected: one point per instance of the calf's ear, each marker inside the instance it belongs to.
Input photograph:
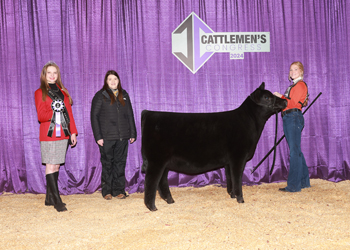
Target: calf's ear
(262, 86)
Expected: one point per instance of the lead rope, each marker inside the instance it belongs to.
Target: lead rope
(275, 145)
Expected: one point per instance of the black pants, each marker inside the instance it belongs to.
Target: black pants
(113, 159)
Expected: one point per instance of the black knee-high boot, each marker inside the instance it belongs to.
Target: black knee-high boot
(49, 198)
(52, 183)
(56, 179)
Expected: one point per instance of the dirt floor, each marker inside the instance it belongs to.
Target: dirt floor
(200, 218)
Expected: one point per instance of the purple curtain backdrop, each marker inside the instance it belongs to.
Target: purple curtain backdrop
(87, 38)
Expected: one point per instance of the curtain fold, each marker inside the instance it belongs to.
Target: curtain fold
(12, 161)
(86, 38)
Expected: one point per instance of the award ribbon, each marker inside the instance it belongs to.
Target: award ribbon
(58, 124)
(59, 117)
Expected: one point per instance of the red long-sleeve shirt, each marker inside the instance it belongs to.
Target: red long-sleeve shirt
(297, 96)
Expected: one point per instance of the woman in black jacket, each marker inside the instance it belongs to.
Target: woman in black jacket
(113, 124)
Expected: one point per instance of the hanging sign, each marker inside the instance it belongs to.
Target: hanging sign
(194, 42)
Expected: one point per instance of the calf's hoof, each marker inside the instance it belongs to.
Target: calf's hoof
(49, 203)
(240, 200)
(151, 208)
(60, 207)
(170, 201)
(232, 195)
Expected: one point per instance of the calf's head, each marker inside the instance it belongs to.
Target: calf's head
(269, 102)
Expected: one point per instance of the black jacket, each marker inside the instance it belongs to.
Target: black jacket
(112, 122)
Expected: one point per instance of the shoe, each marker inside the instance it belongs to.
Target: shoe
(108, 197)
(283, 189)
(121, 196)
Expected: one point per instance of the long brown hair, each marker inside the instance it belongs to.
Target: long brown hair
(44, 85)
(120, 89)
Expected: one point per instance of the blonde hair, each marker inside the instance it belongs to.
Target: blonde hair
(301, 67)
(44, 85)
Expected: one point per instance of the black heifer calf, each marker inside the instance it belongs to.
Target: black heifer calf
(194, 143)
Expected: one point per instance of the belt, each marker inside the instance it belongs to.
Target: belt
(290, 111)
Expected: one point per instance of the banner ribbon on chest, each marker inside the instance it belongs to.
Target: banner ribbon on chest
(59, 116)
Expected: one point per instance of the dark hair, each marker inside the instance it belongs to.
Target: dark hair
(120, 89)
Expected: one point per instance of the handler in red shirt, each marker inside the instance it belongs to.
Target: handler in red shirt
(293, 123)
(53, 105)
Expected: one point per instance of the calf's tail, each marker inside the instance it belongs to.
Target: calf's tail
(144, 160)
(144, 166)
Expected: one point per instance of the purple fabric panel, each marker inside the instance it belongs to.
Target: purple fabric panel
(12, 163)
(87, 38)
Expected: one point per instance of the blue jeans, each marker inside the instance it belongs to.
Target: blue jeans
(298, 176)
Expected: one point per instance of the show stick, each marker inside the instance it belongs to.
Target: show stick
(283, 136)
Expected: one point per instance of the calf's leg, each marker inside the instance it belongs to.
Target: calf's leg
(153, 175)
(228, 180)
(238, 189)
(163, 188)
(236, 170)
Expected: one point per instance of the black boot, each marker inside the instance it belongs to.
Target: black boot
(49, 198)
(52, 183)
(56, 179)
